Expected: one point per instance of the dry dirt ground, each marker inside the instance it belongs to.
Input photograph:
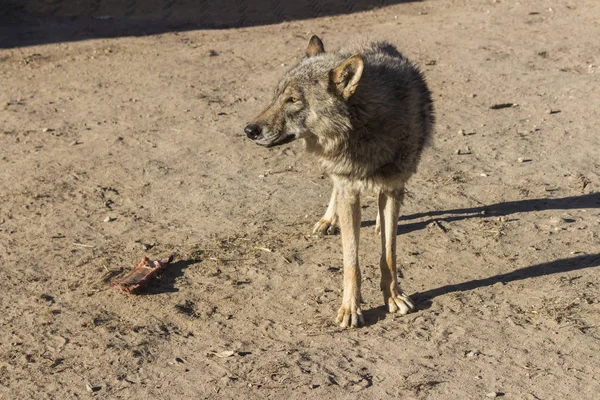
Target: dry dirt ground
(498, 242)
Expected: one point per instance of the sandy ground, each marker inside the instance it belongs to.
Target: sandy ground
(498, 243)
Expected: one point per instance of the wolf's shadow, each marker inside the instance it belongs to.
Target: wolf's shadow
(423, 299)
(591, 200)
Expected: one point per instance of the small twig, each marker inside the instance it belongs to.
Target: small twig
(227, 259)
(501, 106)
(330, 333)
(567, 325)
(83, 245)
(264, 249)
(286, 260)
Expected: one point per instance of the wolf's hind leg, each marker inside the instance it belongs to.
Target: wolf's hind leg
(389, 207)
(327, 224)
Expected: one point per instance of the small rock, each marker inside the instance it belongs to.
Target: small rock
(109, 219)
(458, 152)
(213, 53)
(74, 143)
(491, 395)
(461, 132)
(47, 130)
(225, 354)
(520, 159)
(471, 353)
(91, 388)
(313, 386)
(556, 221)
(553, 111)
(48, 298)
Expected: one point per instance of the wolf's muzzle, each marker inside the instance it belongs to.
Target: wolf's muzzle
(253, 131)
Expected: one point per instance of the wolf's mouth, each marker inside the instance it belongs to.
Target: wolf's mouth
(283, 139)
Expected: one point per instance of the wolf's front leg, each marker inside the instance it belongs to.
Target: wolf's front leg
(348, 208)
(395, 299)
(326, 225)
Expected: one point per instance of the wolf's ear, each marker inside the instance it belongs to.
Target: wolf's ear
(315, 46)
(345, 76)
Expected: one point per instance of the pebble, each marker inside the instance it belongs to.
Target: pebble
(91, 388)
(556, 221)
(492, 395)
(47, 130)
(520, 159)
(472, 353)
(74, 143)
(109, 219)
(461, 132)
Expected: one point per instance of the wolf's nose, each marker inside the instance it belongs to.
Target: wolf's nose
(252, 131)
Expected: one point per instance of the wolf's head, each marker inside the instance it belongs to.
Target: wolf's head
(311, 99)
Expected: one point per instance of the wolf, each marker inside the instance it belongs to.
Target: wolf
(366, 113)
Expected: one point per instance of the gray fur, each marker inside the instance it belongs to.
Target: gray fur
(367, 114)
(376, 136)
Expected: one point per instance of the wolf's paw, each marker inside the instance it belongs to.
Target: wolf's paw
(325, 227)
(397, 301)
(350, 316)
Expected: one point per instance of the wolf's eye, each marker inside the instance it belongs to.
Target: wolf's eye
(292, 99)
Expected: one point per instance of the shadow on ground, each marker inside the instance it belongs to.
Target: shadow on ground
(34, 22)
(423, 299)
(591, 200)
(549, 268)
(165, 282)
